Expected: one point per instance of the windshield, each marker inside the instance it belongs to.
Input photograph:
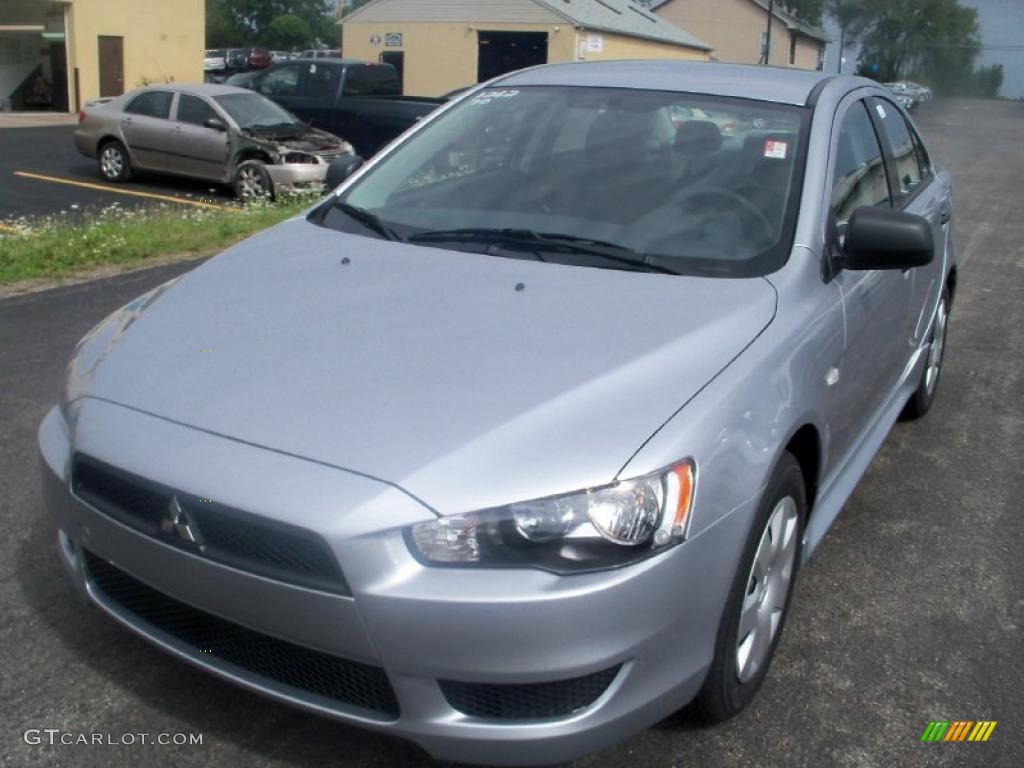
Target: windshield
(254, 112)
(605, 177)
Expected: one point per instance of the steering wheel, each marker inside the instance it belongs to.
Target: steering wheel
(681, 199)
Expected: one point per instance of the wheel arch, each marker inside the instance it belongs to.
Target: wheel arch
(805, 446)
(951, 279)
(250, 153)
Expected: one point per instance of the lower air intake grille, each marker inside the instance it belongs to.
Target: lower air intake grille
(534, 701)
(347, 682)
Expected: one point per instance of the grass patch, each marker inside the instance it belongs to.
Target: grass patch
(58, 247)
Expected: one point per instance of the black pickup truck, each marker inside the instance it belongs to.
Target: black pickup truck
(357, 100)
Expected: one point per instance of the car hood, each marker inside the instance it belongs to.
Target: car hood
(308, 140)
(469, 380)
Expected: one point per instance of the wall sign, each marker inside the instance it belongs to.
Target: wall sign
(595, 43)
(393, 40)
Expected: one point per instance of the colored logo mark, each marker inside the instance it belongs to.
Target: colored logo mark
(958, 730)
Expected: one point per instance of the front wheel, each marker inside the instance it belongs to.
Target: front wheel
(759, 599)
(921, 401)
(252, 182)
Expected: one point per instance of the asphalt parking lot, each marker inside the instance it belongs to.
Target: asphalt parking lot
(42, 174)
(912, 610)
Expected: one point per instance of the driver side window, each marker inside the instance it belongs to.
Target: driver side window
(281, 81)
(859, 177)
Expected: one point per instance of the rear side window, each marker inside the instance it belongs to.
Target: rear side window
(151, 104)
(371, 80)
(321, 81)
(908, 170)
(859, 178)
(193, 110)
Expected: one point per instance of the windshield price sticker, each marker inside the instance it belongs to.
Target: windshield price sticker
(776, 149)
(488, 96)
(881, 111)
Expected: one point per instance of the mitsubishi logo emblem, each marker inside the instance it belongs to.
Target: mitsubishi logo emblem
(176, 520)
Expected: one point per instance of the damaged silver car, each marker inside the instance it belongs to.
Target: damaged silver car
(213, 132)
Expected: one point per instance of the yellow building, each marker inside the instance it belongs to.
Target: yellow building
(439, 46)
(57, 55)
(738, 30)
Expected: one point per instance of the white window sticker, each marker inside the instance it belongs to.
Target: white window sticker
(488, 96)
(776, 150)
(881, 111)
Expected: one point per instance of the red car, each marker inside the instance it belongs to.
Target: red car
(259, 58)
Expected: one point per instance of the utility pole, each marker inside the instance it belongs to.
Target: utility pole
(768, 34)
(842, 41)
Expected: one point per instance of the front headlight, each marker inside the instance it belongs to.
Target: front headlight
(299, 158)
(588, 530)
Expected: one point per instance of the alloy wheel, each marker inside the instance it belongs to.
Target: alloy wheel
(764, 602)
(111, 162)
(250, 184)
(936, 348)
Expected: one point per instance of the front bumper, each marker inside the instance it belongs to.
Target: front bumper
(297, 177)
(655, 622)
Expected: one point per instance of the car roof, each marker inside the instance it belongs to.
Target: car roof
(331, 60)
(777, 84)
(203, 89)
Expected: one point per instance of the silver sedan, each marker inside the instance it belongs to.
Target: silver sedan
(518, 441)
(213, 132)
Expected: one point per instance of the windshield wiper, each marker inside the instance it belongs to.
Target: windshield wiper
(550, 241)
(368, 220)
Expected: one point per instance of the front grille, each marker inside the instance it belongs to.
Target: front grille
(350, 683)
(230, 536)
(531, 701)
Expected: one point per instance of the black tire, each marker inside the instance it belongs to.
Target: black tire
(113, 161)
(252, 182)
(924, 396)
(724, 694)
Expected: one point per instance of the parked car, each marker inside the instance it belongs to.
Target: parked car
(241, 79)
(214, 132)
(905, 95)
(237, 59)
(279, 56)
(517, 443)
(921, 93)
(359, 100)
(259, 58)
(215, 60)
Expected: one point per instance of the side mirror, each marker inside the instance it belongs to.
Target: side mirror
(216, 124)
(881, 238)
(341, 168)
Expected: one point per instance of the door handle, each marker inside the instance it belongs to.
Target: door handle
(944, 216)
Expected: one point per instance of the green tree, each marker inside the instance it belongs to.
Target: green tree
(936, 41)
(989, 81)
(288, 32)
(810, 11)
(240, 22)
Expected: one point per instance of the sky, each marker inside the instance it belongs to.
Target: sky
(1002, 24)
